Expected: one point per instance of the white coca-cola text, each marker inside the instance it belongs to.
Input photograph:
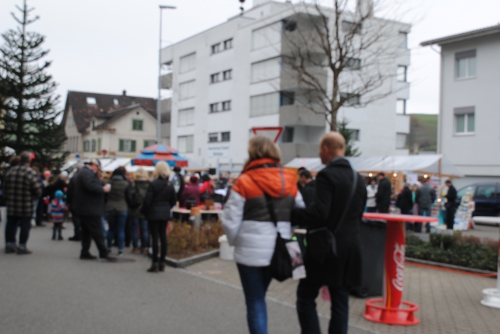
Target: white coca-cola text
(399, 259)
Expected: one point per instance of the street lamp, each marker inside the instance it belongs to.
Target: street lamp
(158, 104)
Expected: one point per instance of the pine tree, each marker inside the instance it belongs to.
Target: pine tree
(350, 150)
(28, 113)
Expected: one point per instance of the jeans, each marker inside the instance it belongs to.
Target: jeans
(426, 213)
(158, 230)
(92, 229)
(13, 222)
(142, 226)
(371, 209)
(255, 281)
(116, 222)
(103, 223)
(307, 292)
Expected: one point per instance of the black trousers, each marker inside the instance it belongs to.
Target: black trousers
(158, 230)
(92, 229)
(307, 292)
(77, 224)
(450, 217)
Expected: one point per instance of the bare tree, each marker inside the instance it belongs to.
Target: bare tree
(336, 58)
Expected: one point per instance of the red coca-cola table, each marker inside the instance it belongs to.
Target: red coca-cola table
(391, 309)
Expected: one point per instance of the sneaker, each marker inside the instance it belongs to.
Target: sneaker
(53, 237)
(144, 251)
(60, 238)
(87, 256)
(10, 250)
(23, 251)
(74, 239)
(120, 253)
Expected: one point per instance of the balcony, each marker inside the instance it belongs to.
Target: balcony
(402, 123)
(290, 81)
(166, 106)
(290, 151)
(166, 81)
(293, 115)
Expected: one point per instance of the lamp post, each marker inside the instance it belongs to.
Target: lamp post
(158, 104)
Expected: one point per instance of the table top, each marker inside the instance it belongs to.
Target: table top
(399, 218)
(487, 220)
(178, 210)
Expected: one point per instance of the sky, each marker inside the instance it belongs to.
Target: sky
(106, 46)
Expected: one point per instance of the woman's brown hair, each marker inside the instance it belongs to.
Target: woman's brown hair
(261, 147)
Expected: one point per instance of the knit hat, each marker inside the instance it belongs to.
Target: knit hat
(193, 179)
(59, 194)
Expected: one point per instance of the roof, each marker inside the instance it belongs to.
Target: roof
(115, 115)
(464, 36)
(104, 107)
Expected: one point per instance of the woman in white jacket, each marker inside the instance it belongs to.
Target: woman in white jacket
(248, 225)
(371, 190)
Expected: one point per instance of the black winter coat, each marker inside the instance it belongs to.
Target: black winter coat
(405, 200)
(307, 193)
(333, 186)
(88, 194)
(451, 197)
(160, 198)
(383, 197)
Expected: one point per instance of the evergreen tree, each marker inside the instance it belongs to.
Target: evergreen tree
(350, 150)
(29, 117)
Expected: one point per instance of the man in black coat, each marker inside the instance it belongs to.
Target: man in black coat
(308, 188)
(451, 197)
(69, 200)
(333, 185)
(88, 203)
(405, 200)
(383, 197)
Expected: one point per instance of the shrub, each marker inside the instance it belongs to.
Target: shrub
(185, 240)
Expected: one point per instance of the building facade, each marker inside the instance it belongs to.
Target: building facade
(103, 125)
(230, 79)
(469, 113)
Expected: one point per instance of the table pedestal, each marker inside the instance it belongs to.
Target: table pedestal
(492, 296)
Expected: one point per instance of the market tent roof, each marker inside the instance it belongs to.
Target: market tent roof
(152, 154)
(397, 163)
(119, 162)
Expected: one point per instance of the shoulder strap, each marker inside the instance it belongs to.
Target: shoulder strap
(349, 200)
(163, 190)
(270, 208)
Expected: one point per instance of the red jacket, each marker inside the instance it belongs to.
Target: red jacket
(190, 191)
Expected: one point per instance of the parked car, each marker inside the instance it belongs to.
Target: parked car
(486, 197)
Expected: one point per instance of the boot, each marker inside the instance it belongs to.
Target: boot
(161, 266)
(154, 268)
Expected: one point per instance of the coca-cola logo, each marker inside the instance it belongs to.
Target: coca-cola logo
(399, 260)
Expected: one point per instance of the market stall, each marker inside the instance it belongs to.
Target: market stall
(152, 154)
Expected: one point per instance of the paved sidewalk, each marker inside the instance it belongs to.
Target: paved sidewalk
(449, 302)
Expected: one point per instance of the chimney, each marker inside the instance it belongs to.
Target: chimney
(364, 8)
(260, 2)
(124, 92)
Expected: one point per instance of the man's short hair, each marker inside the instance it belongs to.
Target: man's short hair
(25, 157)
(301, 169)
(447, 181)
(305, 173)
(381, 174)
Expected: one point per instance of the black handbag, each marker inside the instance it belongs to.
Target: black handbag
(281, 262)
(321, 241)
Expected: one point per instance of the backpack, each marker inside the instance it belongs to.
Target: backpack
(135, 198)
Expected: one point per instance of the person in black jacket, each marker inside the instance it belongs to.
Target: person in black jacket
(333, 185)
(404, 202)
(160, 198)
(88, 203)
(450, 205)
(383, 196)
(307, 190)
(77, 224)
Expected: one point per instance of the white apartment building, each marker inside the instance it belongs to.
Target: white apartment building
(469, 113)
(229, 79)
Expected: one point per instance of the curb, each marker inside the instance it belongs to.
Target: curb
(191, 260)
(451, 266)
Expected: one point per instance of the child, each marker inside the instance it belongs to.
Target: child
(57, 209)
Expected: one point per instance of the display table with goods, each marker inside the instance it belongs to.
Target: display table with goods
(491, 296)
(391, 309)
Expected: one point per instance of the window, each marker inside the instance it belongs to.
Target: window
(287, 135)
(266, 104)
(86, 146)
(126, 145)
(228, 44)
(267, 69)
(91, 100)
(213, 137)
(99, 145)
(137, 124)
(149, 142)
(354, 134)
(186, 117)
(227, 75)
(465, 64)
(93, 147)
(214, 78)
(350, 99)
(401, 107)
(353, 63)
(116, 102)
(465, 121)
(215, 48)
(401, 140)
(289, 26)
(351, 27)
(486, 191)
(461, 193)
(226, 105)
(287, 98)
(187, 63)
(266, 36)
(187, 90)
(401, 73)
(214, 107)
(403, 40)
(225, 136)
(185, 144)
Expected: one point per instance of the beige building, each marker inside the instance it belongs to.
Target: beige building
(103, 125)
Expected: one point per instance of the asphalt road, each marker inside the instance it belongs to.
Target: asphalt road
(52, 291)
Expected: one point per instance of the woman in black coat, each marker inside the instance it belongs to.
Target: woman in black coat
(160, 198)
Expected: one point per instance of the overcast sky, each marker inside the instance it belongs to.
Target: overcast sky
(106, 46)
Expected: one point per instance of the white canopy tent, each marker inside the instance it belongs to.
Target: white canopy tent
(133, 169)
(119, 162)
(423, 164)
